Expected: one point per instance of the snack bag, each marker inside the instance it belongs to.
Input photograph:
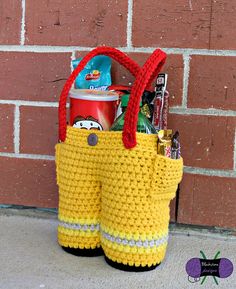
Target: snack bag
(96, 74)
(159, 101)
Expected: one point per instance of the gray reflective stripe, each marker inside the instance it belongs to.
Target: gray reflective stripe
(113, 239)
(80, 227)
(132, 243)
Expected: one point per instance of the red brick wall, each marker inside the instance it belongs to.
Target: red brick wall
(38, 40)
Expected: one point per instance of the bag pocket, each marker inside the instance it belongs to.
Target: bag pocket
(167, 174)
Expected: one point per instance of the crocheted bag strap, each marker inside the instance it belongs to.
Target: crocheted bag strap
(117, 55)
(143, 80)
(144, 77)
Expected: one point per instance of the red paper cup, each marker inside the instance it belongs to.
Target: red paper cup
(92, 109)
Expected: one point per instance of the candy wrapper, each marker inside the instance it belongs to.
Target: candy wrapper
(165, 110)
(147, 108)
(164, 142)
(159, 102)
(175, 146)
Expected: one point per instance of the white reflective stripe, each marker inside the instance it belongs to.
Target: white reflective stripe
(132, 243)
(80, 227)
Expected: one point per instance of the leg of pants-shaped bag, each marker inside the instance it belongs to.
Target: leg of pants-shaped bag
(79, 195)
(134, 214)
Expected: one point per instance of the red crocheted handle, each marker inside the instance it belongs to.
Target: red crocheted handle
(117, 55)
(144, 79)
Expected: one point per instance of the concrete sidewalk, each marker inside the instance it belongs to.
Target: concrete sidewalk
(31, 258)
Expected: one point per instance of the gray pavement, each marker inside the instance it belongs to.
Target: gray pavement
(31, 258)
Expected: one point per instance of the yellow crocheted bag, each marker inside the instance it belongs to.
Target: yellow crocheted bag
(116, 194)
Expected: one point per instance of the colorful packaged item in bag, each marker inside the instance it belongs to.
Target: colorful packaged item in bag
(175, 146)
(91, 109)
(147, 100)
(95, 75)
(143, 124)
(164, 142)
(159, 101)
(165, 110)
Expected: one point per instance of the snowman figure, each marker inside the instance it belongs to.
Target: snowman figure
(87, 123)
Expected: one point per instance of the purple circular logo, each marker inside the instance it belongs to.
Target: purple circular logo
(203, 267)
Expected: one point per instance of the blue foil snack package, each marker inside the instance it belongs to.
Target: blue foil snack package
(96, 74)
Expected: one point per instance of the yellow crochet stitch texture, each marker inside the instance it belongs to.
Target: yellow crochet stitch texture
(116, 198)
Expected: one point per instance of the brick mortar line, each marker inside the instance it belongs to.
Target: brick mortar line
(201, 111)
(129, 23)
(186, 59)
(27, 156)
(210, 172)
(22, 33)
(17, 129)
(73, 57)
(70, 49)
(186, 51)
(173, 110)
(29, 103)
(187, 169)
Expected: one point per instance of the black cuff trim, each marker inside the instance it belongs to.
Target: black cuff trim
(128, 268)
(84, 252)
